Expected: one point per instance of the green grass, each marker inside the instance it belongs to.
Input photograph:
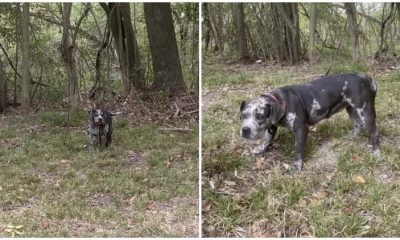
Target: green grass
(57, 189)
(248, 200)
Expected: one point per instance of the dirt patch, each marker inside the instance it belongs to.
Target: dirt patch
(325, 159)
(175, 216)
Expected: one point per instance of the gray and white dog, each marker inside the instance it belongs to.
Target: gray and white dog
(300, 106)
(99, 127)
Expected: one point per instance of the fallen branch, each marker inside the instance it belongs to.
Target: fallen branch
(188, 113)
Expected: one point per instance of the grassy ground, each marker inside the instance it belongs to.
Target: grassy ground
(144, 185)
(342, 191)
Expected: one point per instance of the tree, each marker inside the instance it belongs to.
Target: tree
(312, 30)
(163, 47)
(26, 83)
(351, 12)
(120, 24)
(240, 25)
(3, 87)
(68, 50)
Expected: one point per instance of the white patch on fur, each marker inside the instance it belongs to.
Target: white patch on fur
(345, 85)
(361, 114)
(323, 90)
(347, 100)
(291, 117)
(315, 106)
(373, 85)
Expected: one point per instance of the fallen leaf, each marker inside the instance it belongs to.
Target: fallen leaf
(359, 179)
(1, 189)
(356, 158)
(320, 194)
(303, 202)
(205, 206)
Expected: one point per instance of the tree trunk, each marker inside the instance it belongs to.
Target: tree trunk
(120, 24)
(312, 29)
(163, 47)
(68, 50)
(26, 83)
(215, 31)
(3, 87)
(243, 49)
(351, 12)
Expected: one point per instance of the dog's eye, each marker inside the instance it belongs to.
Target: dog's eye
(259, 116)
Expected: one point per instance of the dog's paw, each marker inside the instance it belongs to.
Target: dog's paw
(296, 166)
(258, 150)
(376, 152)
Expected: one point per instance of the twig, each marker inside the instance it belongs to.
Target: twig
(177, 129)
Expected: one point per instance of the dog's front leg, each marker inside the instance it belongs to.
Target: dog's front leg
(300, 138)
(269, 136)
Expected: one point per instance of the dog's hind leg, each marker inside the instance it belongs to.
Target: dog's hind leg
(269, 136)
(355, 120)
(370, 126)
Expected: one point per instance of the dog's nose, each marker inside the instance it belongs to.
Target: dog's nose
(246, 131)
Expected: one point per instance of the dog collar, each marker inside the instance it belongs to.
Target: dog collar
(275, 99)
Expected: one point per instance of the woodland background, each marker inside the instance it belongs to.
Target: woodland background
(342, 190)
(57, 60)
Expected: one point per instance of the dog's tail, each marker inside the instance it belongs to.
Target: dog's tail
(373, 85)
(117, 113)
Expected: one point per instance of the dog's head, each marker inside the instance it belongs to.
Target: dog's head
(257, 115)
(98, 116)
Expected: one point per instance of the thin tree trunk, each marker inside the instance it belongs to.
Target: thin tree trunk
(68, 50)
(3, 87)
(163, 47)
(241, 39)
(312, 29)
(351, 11)
(215, 31)
(26, 83)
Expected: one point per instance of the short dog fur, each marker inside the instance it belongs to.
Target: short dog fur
(99, 128)
(299, 106)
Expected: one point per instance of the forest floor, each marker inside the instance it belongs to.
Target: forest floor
(144, 185)
(342, 190)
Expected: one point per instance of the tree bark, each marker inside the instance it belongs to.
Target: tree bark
(3, 87)
(26, 83)
(163, 47)
(312, 29)
(351, 11)
(241, 39)
(68, 50)
(125, 42)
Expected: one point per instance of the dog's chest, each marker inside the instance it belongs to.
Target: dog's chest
(97, 130)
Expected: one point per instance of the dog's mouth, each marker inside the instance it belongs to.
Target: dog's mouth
(249, 135)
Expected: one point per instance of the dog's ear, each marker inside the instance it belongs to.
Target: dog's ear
(267, 110)
(276, 114)
(242, 105)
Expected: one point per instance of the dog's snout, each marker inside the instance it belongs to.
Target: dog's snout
(246, 131)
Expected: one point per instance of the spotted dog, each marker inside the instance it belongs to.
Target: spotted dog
(100, 127)
(300, 106)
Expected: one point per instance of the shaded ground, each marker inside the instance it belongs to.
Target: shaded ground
(144, 185)
(342, 191)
